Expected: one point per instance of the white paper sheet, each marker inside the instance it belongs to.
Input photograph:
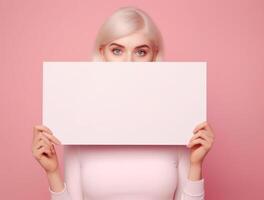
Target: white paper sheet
(135, 103)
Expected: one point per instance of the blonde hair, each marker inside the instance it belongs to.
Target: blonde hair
(124, 21)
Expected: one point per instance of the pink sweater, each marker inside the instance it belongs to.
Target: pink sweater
(128, 172)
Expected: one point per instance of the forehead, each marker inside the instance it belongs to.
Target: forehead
(133, 40)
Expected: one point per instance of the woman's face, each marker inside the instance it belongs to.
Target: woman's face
(134, 47)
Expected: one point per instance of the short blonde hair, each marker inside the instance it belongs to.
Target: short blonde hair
(124, 21)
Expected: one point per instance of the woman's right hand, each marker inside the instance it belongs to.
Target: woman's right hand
(43, 148)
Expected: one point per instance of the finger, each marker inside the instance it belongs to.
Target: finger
(195, 136)
(203, 125)
(198, 141)
(35, 134)
(40, 152)
(46, 150)
(199, 126)
(202, 134)
(39, 129)
(42, 143)
(44, 137)
(53, 149)
(52, 138)
(42, 128)
(205, 132)
(37, 153)
(48, 144)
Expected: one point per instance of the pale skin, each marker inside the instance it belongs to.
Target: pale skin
(135, 48)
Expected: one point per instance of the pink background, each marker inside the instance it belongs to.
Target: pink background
(227, 34)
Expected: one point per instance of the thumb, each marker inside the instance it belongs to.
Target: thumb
(53, 149)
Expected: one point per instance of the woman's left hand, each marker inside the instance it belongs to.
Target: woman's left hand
(201, 142)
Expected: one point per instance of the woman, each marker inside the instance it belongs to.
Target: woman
(153, 172)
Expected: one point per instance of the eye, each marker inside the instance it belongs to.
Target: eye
(116, 51)
(142, 52)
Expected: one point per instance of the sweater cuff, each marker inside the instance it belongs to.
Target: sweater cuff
(194, 188)
(58, 193)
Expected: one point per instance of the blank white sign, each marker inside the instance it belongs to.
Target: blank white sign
(141, 103)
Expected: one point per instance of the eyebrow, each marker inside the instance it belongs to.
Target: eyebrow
(140, 46)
